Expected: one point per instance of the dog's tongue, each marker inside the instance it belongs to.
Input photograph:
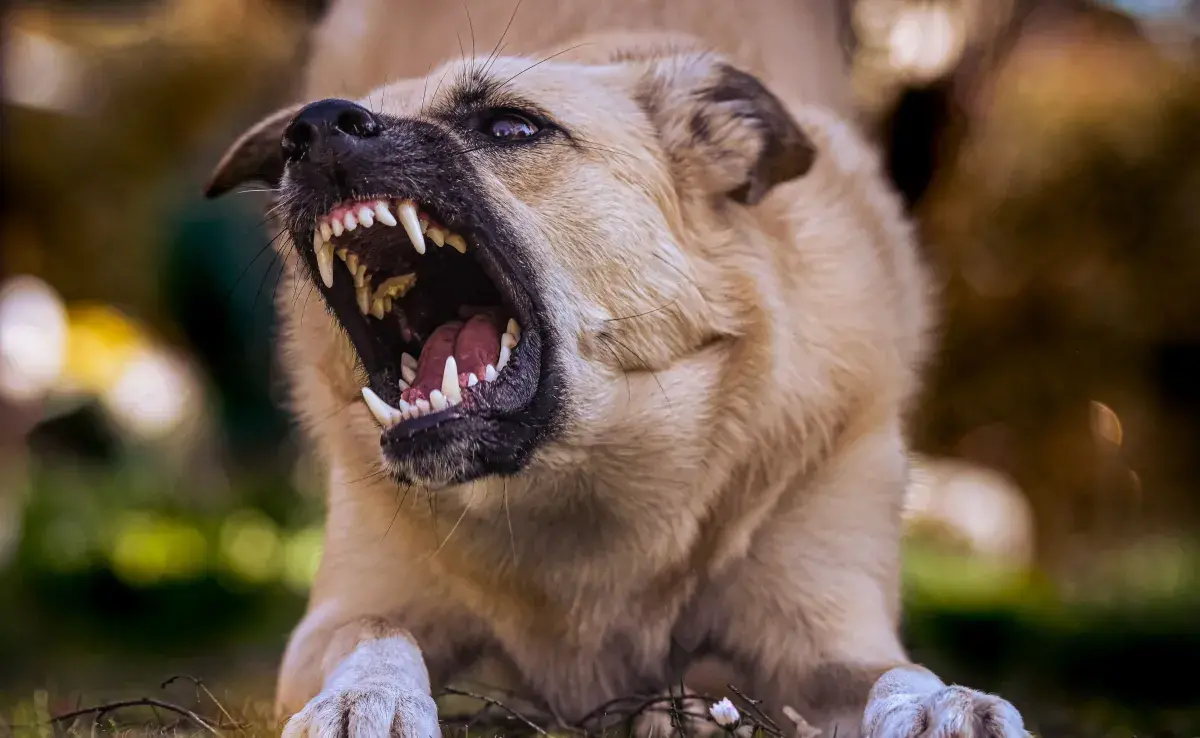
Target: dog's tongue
(474, 345)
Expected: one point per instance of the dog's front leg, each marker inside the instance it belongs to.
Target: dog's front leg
(375, 684)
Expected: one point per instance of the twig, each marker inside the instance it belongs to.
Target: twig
(106, 708)
(201, 686)
(497, 703)
(752, 706)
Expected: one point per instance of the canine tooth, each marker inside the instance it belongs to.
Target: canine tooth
(336, 226)
(423, 219)
(387, 304)
(352, 263)
(514, 328)
(457, 242)
(342, 254)
(383, 215)
(325, 263)
(366, 216)
(408, 216)
(364, 302)
(326, 231)
(382, 411)
(437, 235)
(408, 360)
(408, 373)
(472, 380)
(350, 221)
(361, 277)
(437, 400)
(377, 309)
(508, 341)
(423, 405)
(505, 353)
(490, 373)
(403, 386)
(450, 381)
(406, 409)
(317, 240)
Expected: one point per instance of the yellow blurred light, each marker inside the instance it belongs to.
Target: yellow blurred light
(149, 548)
(100, 342)
(1105, 424)
(250, 546)
(43, 73)
(33, 338)
(302, 556)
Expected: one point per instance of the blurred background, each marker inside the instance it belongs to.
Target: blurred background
(158, 516)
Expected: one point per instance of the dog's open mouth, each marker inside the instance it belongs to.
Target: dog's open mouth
(436, 321)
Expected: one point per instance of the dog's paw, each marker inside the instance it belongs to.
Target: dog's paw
(951, 712)
(366, 711)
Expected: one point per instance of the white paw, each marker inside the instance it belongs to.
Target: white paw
(951, 712)
(369, 710)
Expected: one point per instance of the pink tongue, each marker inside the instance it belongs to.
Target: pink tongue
(478, 345)
(474, 345)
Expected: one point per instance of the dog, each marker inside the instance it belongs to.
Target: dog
(608, 355)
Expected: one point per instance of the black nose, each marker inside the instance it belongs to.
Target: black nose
(320, 123)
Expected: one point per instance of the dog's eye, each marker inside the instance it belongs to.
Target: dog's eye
(509, 127)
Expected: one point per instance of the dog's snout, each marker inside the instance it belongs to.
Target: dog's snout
(325, 122)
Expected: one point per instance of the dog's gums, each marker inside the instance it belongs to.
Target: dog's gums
(456, 354)
(456, 324)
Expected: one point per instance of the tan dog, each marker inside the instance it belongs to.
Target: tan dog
(684, 315)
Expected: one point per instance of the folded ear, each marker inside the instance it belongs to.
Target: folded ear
(256, 156)
(724, 131)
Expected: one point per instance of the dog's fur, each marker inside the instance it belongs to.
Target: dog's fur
(739, 316)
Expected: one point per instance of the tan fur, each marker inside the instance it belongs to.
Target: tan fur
(732, 467)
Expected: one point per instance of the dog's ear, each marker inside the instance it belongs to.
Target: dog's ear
(724, 131)
(256, 156)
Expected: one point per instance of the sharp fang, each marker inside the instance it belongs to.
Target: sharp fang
(408, 373)
(437, 235)
(364, 303)
(403, 386)
(505, 353)
(377, 309)
(405, 409)
(326, 231)
(342, 254)
(450, 381)
(412, 225)
(457, 242)
(423, 405)
(366, 216)
(437, 400)
(472, 380)
(508, 341)
(317, 240)
(514, 328)
(352, 263)
(361, 278)
(387, 304)
(382, 411)
(383, 215)
(407, 359)
(336, 226)
(325, 263)
(350, 221)
(490, 373)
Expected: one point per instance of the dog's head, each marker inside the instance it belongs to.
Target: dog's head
(508, 242)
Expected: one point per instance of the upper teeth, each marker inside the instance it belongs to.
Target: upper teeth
(416, 224)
